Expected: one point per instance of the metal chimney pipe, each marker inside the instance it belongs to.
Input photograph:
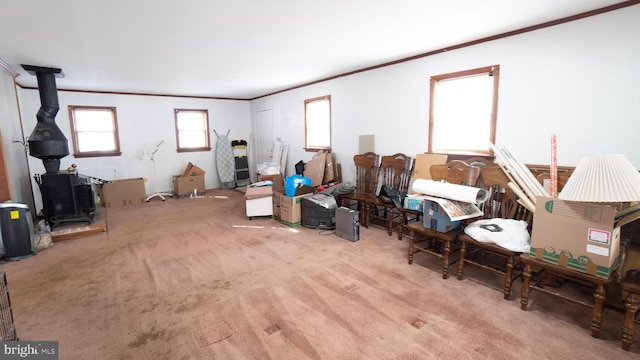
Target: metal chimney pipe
(47, 142)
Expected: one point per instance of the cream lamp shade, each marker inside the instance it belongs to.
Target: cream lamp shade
(607, 178)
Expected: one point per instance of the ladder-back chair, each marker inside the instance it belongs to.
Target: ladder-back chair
(366, 182)
(455, 171)
(396, 171)
(502, 203)
(434, 242)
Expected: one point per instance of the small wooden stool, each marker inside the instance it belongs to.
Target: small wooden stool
(631, 284)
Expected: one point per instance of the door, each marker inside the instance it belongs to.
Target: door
(264, 136)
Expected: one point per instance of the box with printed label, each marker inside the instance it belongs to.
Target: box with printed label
(578, 235)
(436, 218)
(444, 215)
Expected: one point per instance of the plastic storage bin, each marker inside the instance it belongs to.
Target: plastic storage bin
(16, 230)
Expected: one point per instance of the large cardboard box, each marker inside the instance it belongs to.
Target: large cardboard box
(314, 168)
(278, 184)
(185, 185)
(577, 235)
(123, 192)
(422, 166)
(290, 209)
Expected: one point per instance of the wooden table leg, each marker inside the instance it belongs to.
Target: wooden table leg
(447, 250)
(632, 303)
(596, 315)
(412, 235)
(524, 293)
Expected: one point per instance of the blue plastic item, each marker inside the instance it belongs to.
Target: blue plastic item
(293, 182)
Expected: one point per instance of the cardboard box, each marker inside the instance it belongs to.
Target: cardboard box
(422, 166)
(314, 168)
(278, 184)
(290, 209)
(123, 192)
(436, 218)
(445, 214)
(276, 205)
(578, 235)
(184, 185)
(329, 169)
(192, 170)
(414, 202)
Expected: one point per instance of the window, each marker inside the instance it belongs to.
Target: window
(317, 123)
(94, 131)
(192, 130)
(463, 111)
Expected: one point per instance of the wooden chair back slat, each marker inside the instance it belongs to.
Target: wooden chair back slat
(367, 172)
(455, 172)
(396, 171)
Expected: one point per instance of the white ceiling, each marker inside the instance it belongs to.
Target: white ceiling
(244, 48)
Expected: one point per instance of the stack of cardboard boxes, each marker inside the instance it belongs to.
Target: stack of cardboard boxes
(320, 169)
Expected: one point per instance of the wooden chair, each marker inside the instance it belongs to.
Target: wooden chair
(396, 173)
(455, 171)
(631, 284)
(439, 243)
(367, 173)
(502, 203)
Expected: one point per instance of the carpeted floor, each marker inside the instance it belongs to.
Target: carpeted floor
(193, 278)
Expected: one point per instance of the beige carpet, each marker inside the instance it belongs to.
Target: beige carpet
(193, 278)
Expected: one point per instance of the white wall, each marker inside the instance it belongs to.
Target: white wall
(143, 121)
(579, 81)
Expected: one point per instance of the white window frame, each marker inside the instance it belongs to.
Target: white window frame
(317, 123)
(192, 130)
(463, 111)
(94, 130)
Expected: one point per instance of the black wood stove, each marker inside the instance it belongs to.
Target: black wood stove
(66, 195)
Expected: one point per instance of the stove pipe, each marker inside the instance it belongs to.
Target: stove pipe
(47, 142)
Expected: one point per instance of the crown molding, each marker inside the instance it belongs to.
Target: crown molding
(8, 69)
